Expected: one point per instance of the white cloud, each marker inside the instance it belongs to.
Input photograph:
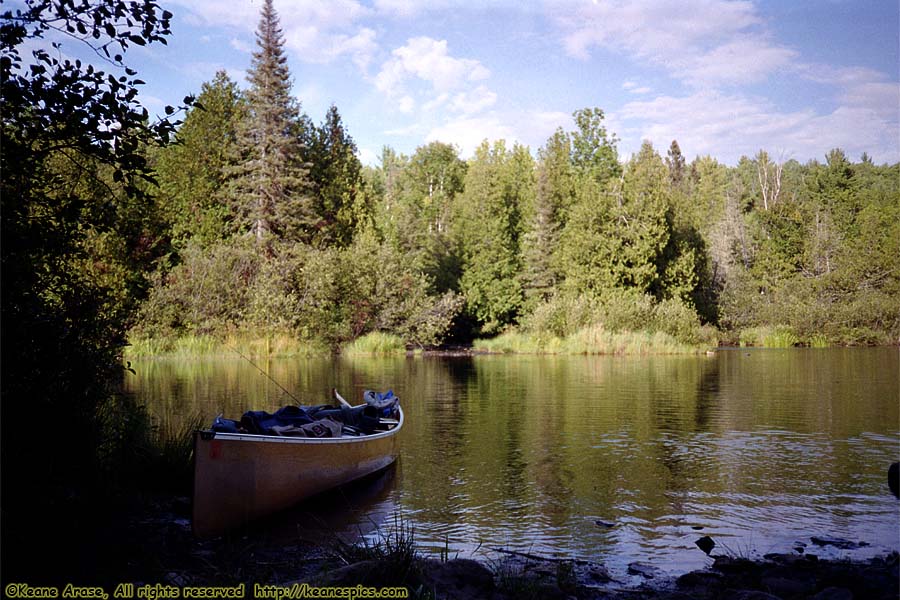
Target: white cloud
(240, 45)
(414, 129)
(312, 45)
(702, 42)
(634, 88)
(368, 157)
(728, 126)
(744, 59)
(860, 87)
(529, 128)
(467, 133)
(319, 32)
(406, 104)
(422, 73)
(427, 59)
(435, 103)
(401, 8)
(473, 101)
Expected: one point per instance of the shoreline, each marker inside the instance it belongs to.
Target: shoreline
(624, 344)
(169, 554)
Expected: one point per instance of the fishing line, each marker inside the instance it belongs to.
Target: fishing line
(269, 377)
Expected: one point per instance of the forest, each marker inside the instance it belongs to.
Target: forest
(256, 223)
(264, 224)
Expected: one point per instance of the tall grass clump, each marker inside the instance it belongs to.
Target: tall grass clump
(597, 340)
(769, 337)
(620, 322)
(818, 340)
(197, 346)
(393, 554)
(520, 342)
(781, 337)
(594, 339)
(138, 454)
(376, 343)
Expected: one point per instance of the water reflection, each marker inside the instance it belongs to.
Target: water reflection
(760, 449)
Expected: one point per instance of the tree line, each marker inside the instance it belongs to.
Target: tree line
(259, 221)
(273, 225)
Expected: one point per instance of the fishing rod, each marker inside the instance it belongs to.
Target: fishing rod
(269, 377)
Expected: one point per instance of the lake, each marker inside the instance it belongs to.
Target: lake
(608, 459)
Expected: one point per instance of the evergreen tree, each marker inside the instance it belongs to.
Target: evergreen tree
(554, 194)
(675, 162)
(271, 189)
(336, 175)
(616, 239)
(192, 174)
(499, 183)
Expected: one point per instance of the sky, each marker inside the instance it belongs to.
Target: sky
(724, 78)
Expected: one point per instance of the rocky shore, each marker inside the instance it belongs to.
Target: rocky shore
(172, 556)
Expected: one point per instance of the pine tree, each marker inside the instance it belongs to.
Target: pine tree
(499, 183)
(192, 174)
(336, 174)
(554, 194)
(271, 192)
(675, 162)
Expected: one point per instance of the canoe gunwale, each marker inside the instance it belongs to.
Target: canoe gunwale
(208, 434)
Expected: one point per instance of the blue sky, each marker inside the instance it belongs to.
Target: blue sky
(723, 77)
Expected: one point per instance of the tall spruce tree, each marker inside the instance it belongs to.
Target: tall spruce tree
(554, 193)
(192, 174)
(336, 175)
(675, 162)
(271, 190)
(499, 184)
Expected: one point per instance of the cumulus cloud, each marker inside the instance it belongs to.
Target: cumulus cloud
(423, 73)
(731, 125)
(530, 128)
(314, 46)
(318, 32)
(473, 101)
(467, 133)
(428, 59)
(701, 42)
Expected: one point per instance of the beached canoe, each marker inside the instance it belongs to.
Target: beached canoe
(240, 477)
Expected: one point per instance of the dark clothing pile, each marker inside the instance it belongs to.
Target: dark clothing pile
(317, 421)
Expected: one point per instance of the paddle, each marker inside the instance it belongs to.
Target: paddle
(340, 398)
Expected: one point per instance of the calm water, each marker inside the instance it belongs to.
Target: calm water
(759, 448)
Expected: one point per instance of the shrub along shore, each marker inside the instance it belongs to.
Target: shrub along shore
(592, 340)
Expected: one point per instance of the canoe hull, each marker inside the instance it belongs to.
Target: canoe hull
(239, 478)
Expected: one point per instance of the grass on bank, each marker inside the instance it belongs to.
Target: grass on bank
(590, 340)
(780, 336)
(376, 343)
(195, 346)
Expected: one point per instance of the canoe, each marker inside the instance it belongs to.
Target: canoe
(241, 477)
